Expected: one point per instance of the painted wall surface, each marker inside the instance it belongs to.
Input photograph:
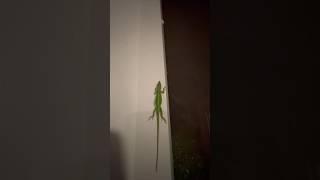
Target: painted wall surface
(53, 90)
(123, 85)
(137, 64)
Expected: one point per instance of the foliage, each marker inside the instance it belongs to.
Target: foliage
(188, 164)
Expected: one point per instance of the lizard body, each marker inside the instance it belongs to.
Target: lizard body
(158, 113)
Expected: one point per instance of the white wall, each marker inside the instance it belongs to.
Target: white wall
(123, 84)
(137, 63)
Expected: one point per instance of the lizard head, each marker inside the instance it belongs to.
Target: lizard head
(158, 87)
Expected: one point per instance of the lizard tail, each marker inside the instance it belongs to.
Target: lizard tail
(157, 145)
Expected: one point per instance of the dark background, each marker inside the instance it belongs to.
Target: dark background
(265, 121)
(53, 90)
(187, 48)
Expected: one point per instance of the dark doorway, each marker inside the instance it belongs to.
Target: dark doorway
(187, 47)
(266, 110)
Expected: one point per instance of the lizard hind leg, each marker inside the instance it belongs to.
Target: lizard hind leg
(152, 116)
(161, 115)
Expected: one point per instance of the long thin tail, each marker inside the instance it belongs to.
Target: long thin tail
(157, 143)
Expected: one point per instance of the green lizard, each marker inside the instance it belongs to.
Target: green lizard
(159, 113)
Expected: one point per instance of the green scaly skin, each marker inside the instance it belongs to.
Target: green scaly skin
(159, 113)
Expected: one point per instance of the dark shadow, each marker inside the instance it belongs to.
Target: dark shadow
(187, 47)
(117, 161)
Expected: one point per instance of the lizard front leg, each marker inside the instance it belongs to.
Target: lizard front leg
(163, 90)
